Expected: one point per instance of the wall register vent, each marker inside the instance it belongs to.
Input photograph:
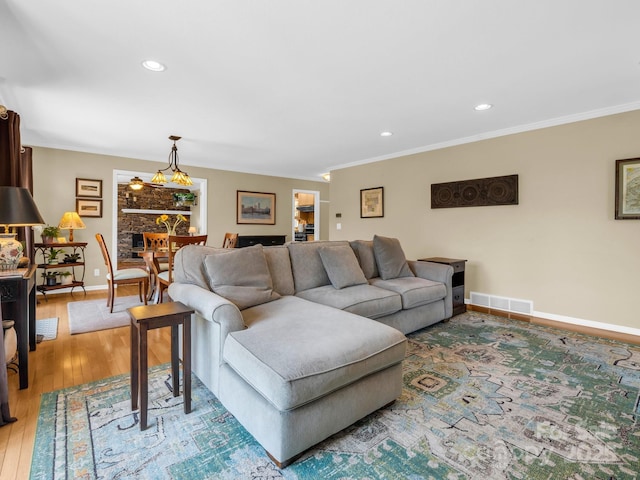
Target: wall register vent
(514, 305)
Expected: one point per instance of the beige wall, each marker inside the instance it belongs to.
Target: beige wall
(55, 172)
(560, 247)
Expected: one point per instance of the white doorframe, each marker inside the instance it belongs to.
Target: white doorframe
(316, 212)
(201, 183)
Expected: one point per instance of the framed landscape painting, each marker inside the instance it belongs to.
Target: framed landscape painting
(89, 208)
(256, 208)
(372, 202)
(628, 189)
(86, 187)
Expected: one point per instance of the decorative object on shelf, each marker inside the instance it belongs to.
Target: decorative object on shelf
(52, 255)
(66, 278)
(136, 183)
(89, 208)
(71, 221)
(71, 258)
(17, 209)
(255, 207)
(50, 234)
(184, 199)
(481, 192)
(372, 202)
(86, 187)
(50, 278)
(171, 228)
(628, 189)
(179, 177)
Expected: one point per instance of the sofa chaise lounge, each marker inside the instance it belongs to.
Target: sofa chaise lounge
(302, 340)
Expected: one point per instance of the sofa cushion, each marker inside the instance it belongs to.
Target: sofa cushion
(294, 352)
(241, 276)
(280, 268)
(342, 266)
(306, 265)
(390, 258)
(413, 290)
(364, 252)
(365, 300)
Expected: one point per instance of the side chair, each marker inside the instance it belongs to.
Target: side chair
(163, 279)
(230, 240)
(126, 276)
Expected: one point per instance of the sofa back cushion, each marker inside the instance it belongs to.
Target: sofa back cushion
(188, 264)
(390, 258)
(241, 276)
(280, 268)
(364, 253)
(342, 266)
(306, 264)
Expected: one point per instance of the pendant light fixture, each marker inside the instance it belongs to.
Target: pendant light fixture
(179, 177)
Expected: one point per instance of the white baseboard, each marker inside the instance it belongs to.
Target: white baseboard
(588, 323)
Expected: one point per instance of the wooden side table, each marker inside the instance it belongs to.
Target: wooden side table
(148, 317)
(457, 282)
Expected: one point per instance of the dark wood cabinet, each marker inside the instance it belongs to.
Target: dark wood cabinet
(457, 282)
(265, 240)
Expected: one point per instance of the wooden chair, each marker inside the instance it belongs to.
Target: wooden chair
(155, 241)
(230, 240)
(163, 279)
(126, 276)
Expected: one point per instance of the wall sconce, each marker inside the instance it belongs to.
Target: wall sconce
(130, 199)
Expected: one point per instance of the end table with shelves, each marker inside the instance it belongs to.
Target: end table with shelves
(457, 282)
(77, 267)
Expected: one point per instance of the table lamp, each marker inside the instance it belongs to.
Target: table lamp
(71, 221)
(17, 209)
(192, 231)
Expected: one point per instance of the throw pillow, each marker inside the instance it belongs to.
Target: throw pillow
(342, 266)
(390, 258)
(241, 276)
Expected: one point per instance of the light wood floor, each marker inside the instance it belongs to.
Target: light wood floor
(65, 362)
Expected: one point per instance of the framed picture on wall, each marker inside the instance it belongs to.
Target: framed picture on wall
(255, 208)
(89, 208)
(86, 187)
(628, 189)
(372, 202)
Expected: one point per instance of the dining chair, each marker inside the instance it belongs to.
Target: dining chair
(163, 279)
(125, 276)
(230, 240)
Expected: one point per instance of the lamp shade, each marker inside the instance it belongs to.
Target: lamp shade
(17, 208)
(71, 220)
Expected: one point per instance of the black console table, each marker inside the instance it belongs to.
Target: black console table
(265, 240)
(18, 296)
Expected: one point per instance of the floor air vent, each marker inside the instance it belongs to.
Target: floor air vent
(502, 303)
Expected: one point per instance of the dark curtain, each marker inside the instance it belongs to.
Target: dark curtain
(15, 171)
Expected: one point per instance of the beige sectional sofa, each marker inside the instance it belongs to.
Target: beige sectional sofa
(300, 341)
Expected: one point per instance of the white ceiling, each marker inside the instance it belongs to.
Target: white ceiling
(298, 87)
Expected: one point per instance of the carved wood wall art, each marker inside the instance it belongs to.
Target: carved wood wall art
(481, 192)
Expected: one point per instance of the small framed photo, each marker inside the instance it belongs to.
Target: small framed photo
(256, 208)
(628, 189)
(86, 187)
(89, 208)
(372, 202)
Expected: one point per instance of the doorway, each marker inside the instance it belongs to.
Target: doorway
(306, 215)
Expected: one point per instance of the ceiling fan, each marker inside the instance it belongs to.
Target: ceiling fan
(136, 183)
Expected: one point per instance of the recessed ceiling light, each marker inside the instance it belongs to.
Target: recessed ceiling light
(153, 66)
(483, 106)
(386, 134)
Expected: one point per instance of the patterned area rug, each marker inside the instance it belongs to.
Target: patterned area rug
(47, 328)
(484, 398)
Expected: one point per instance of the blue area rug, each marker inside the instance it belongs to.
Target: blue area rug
(483, 398)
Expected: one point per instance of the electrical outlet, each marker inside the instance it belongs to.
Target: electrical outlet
(338, 226)
(96, 272)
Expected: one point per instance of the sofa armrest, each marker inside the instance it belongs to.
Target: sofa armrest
(209, 306)
(436, 272)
